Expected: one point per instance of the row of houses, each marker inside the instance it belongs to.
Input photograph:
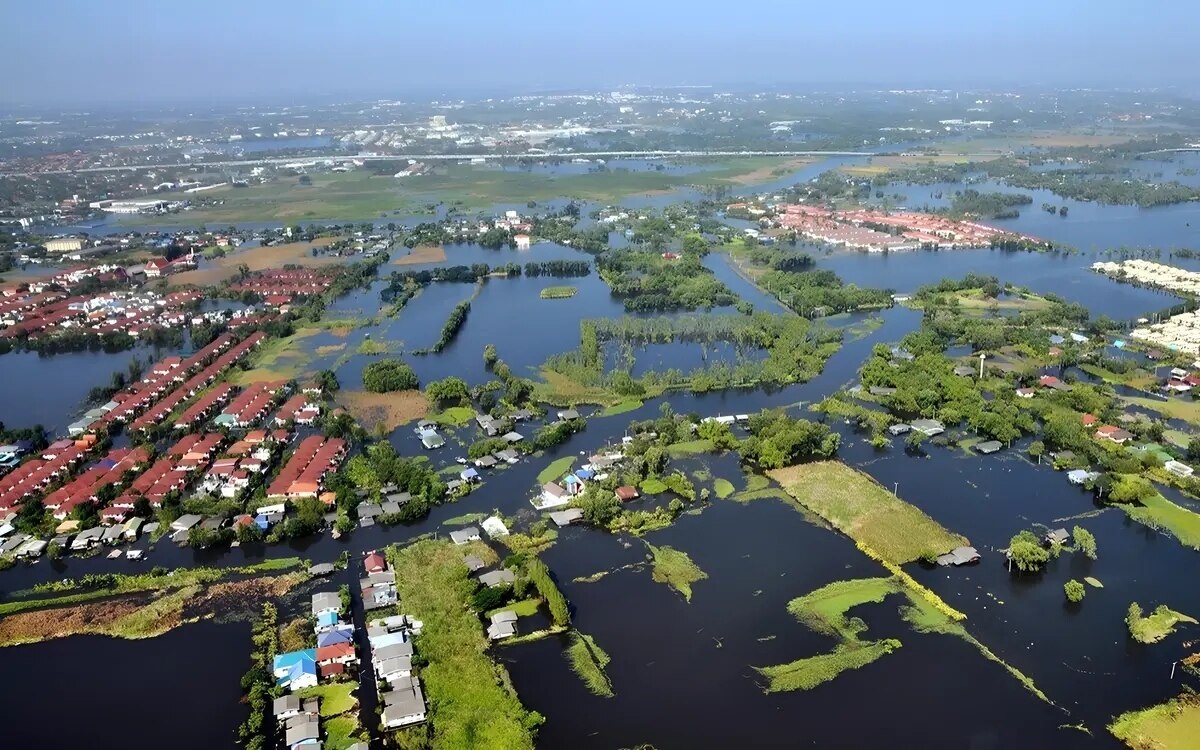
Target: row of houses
(391, 644)
(301, 476)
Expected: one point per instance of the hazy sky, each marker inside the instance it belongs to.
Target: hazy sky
(83, 51)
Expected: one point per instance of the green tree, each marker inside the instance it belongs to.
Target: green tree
(447, 390)
(1037, 448)
(1074, 591)
(1085, 541)
(1026, 552)
(489, 355)
(1130, 488)
(389, 375)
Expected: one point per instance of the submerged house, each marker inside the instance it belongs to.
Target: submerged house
(959, 556)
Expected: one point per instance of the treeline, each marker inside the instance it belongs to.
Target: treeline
(777, 440)
(559, 268)
(450, 329)
(648, 282)
(259, 681)
(816, 293)
(992, 205)
(77, 340)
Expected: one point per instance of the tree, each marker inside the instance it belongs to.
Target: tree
(389, 375)
(1037, 448)
(1130, 488)
(1193, 449)
(489, 355)
(1085, 541)
(1074, 591)
(1027, 552)
(446, 390)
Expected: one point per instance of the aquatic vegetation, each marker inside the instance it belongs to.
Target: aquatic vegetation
(454, 416)
(1157, 512)
(676, 569)
(555, 470)
(1093, 582)
(858, 506)
(558, 292)
(588, 661)
(466, 518)
(1167, 726)
(1074, 591)
(594, 577)
(621, 408)
(807, 673)
(723, 487)
(539, 574)
(471, 699)
(1157, 625)
(384, 411)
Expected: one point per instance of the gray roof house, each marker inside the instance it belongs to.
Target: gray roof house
(497, 577)
(462, 536)
(326, 601)
(928, 427)
(306, 730)
(1057, 536)
(285, 706)
(566, 517)
(989, 446)
(474, 563)
(959, 556)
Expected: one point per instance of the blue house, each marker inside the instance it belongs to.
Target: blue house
(469, 475)
(296, 669)
(585, 473)
(327, 621)
(573, 484)
(334, 637)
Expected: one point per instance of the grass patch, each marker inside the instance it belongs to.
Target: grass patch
(556, 469)
(1167, 726)
(858, 506)
(558, 292)
(465, 518)
(455, 416)
(621, 408)
(471, 699)
(675, 569)
(341, 732)
(652, 486)
(259, 259)
(336, 697)
(1136, 378)
(1174, 408)
(1160, 513)
(1155, 626)
(588, 661)
(690, 448)
(722, 487)
(523, 608)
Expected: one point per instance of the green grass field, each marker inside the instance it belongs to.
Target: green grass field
(1160, 513)
(555, 470)
(856, 505)
(361, 195)
(471, 699)
(1167, 726)
(336, 697)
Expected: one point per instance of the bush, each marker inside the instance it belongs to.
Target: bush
(1074, 591)
(1027, 552)
(389, 375)
(490, 597)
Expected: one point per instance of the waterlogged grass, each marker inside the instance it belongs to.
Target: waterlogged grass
(465, 518)
(805, 674)
(1157, 512)
(858, 506)
(118, 583)
(588, 661)
(555, 470)
(336, 697)
(622, 408)
(676, 569)
(723, 488)
(471, 699)
(1157, 625)
(558, 292)
(825, 611)
(1167, 726)
(1174, 408)
(1093, 582)
(155, 618)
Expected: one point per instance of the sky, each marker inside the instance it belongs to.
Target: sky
(81, 52)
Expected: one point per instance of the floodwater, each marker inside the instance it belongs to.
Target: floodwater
(684, 672)
(180, 689)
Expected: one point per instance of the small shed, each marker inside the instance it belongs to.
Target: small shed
(989, 446)
(1057, 536)
(463, 536)
(566, 517)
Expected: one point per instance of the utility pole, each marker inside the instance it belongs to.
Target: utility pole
(981, 356)
(896, 490)
(1173, 669)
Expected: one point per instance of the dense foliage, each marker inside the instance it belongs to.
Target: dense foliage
(389, 375)
(646, 281)
(777, 440)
